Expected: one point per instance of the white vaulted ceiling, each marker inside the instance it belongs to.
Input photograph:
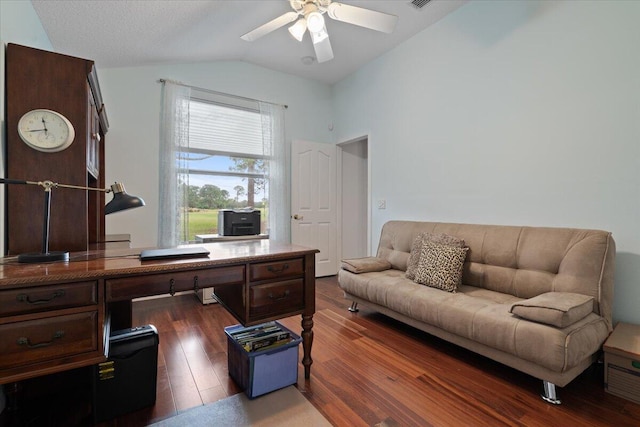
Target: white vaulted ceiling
(123, 33)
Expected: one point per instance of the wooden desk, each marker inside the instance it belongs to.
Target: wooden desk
(56, 316)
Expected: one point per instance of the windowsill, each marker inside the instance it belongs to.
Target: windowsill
(208, 238)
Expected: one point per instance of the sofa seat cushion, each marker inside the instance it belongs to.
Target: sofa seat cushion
(483, 316)
(377, 287)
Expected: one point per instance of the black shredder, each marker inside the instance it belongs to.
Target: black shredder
(126, 382)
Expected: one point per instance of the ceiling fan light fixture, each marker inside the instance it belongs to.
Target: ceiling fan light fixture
(297, 30)
(318, 36)
(315, 22)
(309, 15)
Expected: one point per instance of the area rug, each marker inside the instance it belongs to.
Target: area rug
(286, 407)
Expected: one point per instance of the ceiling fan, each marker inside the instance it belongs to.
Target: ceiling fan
(311, 11)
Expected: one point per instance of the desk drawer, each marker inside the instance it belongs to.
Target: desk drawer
(127, 288)
(271, 299)
(45, 298)
(276, 270)
(49, 338)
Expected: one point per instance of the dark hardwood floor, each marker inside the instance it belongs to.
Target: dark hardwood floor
(368, 370)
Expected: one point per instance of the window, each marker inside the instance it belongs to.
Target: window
(226, 163)
(219, 151)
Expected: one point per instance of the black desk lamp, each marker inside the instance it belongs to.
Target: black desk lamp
(121, 201)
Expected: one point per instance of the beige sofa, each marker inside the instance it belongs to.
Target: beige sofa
(493, 312)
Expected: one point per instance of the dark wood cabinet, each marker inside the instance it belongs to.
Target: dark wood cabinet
(273, 288)
(38, 79)
(51, 327)
(93, 139)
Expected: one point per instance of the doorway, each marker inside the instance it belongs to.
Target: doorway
(353, 193)
(330, 206)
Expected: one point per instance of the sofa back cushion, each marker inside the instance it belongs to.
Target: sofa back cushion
(520, 261)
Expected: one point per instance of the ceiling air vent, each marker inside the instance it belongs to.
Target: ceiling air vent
(419, 4)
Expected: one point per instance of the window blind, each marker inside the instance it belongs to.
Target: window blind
(226, 130)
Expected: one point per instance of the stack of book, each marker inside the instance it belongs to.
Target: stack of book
(262, 337)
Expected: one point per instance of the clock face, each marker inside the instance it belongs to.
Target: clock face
(46, 130)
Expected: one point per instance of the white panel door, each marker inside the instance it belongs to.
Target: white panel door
(313, 202)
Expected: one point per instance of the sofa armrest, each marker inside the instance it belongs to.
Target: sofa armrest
(365, 265)
(559, 309)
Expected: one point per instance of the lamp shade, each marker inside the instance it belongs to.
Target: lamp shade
(121, 200)
(297, 30)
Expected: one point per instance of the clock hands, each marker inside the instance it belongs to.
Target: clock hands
(44, 124)
(46, 136)
(44, 127)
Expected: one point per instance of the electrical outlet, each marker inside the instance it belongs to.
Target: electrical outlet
(382, 204)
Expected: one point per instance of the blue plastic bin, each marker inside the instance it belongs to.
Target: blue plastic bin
(263, 371)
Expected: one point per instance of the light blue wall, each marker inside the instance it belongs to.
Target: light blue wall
(19, 24)
(524, 113)
(132, 99)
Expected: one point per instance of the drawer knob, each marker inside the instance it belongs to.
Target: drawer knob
(27, 342)
(172, 287)
(276, 270)
(196, 287)
(279, 297)
(25, 298)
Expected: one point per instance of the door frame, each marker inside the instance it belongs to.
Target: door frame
(339, 181)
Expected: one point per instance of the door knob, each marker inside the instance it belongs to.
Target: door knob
(298, 217)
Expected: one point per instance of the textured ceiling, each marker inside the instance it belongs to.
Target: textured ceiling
(123, 33)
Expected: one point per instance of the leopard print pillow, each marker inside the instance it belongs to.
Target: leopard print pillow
(416, 249)
(440, 266)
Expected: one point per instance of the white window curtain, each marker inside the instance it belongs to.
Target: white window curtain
(274, 146)
(174, 174)
(174, 177)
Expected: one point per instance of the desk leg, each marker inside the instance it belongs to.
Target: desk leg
(307, 342)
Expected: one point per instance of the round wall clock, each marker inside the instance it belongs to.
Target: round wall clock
(46, 130)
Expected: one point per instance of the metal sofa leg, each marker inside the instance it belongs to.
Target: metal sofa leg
(354, 307)
(549, 394)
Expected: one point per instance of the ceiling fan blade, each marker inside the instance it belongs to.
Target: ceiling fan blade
(363, 17)
(322, 46)
(270, 26)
